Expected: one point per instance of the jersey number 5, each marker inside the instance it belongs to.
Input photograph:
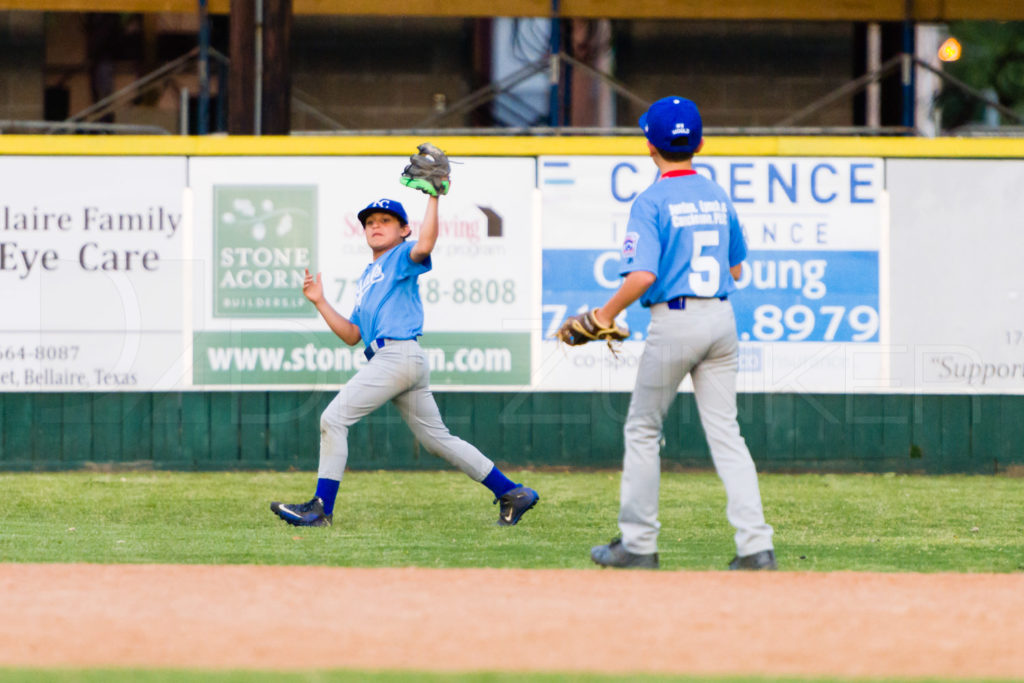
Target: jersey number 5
(706, 271)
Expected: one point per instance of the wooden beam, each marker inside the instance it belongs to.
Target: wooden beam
(241, 83)
(789, 10)
(277, 78)
(176, 6)
(795, 10)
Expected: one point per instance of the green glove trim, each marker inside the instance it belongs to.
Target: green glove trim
(424, 185)
(419, 184)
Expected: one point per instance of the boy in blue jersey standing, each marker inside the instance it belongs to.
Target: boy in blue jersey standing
(681, 255)
(388, 318)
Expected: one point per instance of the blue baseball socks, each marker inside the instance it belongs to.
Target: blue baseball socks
(327, 491)
(498, 483)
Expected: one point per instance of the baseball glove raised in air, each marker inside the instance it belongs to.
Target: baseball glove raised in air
(582, 328)
(428, 171)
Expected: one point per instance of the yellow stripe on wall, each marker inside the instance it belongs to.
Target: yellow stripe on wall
(159, 145)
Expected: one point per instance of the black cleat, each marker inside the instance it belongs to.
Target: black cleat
(514, 504)
(303, 514)
(615, 555)
(764, 560)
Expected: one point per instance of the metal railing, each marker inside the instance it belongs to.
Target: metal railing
(786, 126)
(7, 125)
(904, 61)
(85, 121)
(155, 79)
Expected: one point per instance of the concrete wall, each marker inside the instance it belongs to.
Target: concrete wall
(21, 65)
(379, 73)
(740, 73)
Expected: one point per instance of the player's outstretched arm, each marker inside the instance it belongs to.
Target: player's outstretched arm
(428, 233)
(313, 288)
(635, 284)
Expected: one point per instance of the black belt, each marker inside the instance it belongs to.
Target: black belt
(679, 303)
(370, 352)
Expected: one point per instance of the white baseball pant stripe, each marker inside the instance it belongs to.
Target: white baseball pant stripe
(701, 340)
(400, 373)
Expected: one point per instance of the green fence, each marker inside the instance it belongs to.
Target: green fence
(280, 430)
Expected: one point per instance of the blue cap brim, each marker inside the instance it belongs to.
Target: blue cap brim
(362, 215)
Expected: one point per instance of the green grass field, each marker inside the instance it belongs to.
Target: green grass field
(442, 519)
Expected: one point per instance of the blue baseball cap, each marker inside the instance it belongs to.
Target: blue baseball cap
(384, 206)
(673, 124)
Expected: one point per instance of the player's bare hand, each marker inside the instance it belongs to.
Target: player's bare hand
(313, 287)
(599, 318)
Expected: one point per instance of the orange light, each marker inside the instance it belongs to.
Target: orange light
(950, 50)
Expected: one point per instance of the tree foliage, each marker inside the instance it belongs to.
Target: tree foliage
(992, 62)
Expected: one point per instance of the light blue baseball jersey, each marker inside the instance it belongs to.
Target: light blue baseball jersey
(683, 229)
(388, 302)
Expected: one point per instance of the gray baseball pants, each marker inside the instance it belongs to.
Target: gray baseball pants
(400, 373)
(700, 340)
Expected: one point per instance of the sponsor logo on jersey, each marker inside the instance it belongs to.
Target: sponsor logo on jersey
(629, 244)
(375, 275)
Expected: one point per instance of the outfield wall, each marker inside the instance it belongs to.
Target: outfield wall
(280, 430)
(151, 312)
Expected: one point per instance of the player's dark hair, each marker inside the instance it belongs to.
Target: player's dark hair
(675, 156)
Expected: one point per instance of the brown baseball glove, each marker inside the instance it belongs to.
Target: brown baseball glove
(428, 171)
(582, 328)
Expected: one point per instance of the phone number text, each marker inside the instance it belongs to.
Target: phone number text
(802, 323)
(470, 291)
(15, 353)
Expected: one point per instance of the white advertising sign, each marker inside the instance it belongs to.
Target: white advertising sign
(957, 292)
(91, 268)
(260, 223)
(809, 299)
(168, 273)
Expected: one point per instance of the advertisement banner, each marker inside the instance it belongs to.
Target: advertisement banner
(171, 273)
(808, 305)
(957, 293)
(91, 270)
(264, 236)
(261, 223)
(258, 358)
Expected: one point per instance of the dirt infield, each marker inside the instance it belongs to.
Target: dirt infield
(850, 624)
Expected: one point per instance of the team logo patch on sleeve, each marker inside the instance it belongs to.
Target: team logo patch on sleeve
(629, 244)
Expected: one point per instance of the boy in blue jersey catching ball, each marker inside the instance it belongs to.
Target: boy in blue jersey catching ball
(388, 318)
(681, 255)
